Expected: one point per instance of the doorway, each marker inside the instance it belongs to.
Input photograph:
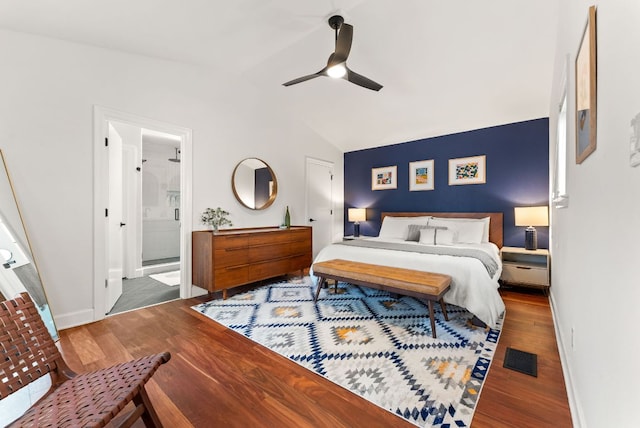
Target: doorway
(142, 234)
(148, 188)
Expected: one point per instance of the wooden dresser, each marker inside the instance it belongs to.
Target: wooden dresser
(233, 257)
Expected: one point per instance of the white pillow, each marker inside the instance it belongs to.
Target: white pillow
(398, 227)
(427, 236)
(469, 235)
(469, 231)
(445, 237)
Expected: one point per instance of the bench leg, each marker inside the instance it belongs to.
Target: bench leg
(433, 321)
(321, 281)
(444, 309)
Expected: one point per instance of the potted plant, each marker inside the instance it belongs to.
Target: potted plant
(215, 218)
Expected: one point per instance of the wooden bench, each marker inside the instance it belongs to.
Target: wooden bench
(421, 285)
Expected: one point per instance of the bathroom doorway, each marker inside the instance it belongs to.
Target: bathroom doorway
(151, 162)
(143, 242)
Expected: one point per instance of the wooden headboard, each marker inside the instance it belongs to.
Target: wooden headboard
(495, 224)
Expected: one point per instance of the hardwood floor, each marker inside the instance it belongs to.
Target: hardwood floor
(217, 378)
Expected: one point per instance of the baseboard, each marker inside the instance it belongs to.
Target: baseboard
(74, 319)
(577, 416)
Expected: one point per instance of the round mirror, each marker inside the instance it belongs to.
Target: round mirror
(254, 184)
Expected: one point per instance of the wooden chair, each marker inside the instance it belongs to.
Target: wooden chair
(27, 352)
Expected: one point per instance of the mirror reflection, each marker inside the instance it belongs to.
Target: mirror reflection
(18, 272)
(254, 184)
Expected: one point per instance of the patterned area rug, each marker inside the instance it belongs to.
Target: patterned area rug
(372, 344)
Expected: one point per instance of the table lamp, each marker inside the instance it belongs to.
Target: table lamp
(357, 215)
(530, 217)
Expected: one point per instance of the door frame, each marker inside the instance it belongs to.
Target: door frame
(101, 117)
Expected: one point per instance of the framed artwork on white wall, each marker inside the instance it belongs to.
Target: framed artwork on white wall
(421, 175)
(586, 90)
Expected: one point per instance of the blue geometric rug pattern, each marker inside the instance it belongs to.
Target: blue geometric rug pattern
(372, 344)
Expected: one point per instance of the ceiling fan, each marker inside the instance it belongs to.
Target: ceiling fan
(337, 63)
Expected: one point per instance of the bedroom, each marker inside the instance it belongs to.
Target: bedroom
(47, 128)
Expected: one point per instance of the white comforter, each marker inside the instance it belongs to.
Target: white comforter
(471, 286)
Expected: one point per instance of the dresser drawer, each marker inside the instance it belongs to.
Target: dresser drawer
(300, 234)
(515, 273)
(268, 252)
(226, 257)
(230, 241)
(302, 261)
(269, 238)
(232, 276)
(268, 269)
(300, 247)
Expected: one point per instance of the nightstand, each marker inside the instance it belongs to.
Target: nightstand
(529, 268)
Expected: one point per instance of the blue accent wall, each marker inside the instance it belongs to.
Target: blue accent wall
(517, 174)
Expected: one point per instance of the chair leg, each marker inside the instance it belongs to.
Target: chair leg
(149, 416)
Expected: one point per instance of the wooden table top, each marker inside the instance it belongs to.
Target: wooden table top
(407, 279)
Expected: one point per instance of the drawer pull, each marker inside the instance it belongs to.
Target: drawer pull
(523, 267)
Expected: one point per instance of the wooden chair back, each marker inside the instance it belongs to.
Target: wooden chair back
(27, 351)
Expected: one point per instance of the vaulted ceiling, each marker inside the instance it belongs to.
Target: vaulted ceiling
(446, 65)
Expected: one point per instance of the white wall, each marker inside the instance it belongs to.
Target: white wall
(595, 279)
(49, 90)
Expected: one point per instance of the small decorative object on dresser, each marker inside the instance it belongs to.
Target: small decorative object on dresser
(529, 268)
(215, 218)
(287, 218)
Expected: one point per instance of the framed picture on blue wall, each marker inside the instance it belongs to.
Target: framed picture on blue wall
(471, 170)
(384, 178)
(421, 175)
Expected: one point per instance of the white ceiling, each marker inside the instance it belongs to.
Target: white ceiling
(446, 65)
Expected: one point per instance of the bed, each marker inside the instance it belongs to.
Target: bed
(463, 245)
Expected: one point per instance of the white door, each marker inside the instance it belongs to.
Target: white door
(130, 209)
(320, 202)
(114, 219)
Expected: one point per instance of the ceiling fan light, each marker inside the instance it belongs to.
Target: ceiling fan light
(337, 71)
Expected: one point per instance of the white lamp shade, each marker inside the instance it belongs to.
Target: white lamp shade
(532, 216)
(357, 214)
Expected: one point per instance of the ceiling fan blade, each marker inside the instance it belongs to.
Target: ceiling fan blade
(343, 44)
(360, 80)
(303, 78)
